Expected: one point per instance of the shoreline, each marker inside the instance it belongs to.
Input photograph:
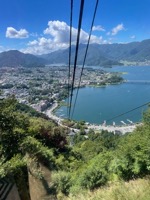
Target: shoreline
(111, 128)
(50, 113)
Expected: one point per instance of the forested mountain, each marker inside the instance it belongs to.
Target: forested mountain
(134, 51)
(104, 54)
(14, 58)
(95, 56)
(98, 55)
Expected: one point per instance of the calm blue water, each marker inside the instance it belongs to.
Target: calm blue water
(95, 105)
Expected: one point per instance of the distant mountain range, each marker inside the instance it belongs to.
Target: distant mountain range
(98, 55)
(95, 56)
(105, 54)
(14, 58)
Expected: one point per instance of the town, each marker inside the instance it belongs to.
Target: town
(40, 87)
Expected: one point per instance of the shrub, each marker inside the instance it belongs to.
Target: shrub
(61, 182)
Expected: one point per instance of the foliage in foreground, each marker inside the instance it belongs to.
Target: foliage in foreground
(21, 134)
(107, 158)
(132, 190)
(92, 162)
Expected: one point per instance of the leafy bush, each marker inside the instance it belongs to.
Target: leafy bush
(93, 177)
(37, 149)
(62, 182)
(12, 167)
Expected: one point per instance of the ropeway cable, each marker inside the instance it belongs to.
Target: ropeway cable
(128, 111)
(76, 54)
(69, 62)
(87, 46)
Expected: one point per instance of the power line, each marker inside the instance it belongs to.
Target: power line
(127, 112)
(76, 53)
(69, 63)
(87, 46)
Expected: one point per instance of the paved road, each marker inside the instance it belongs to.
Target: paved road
(115, 129)
(120, 129)
(51, 115)
(57, 119)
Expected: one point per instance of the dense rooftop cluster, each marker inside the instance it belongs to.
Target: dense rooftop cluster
(40, 87)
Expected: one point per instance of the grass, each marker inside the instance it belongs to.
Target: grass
(134, 190)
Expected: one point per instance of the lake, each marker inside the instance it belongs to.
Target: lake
(94, 105)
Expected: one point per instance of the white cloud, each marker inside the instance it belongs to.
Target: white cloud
(59, 31)
(115, 30)
(98, 28)
(2, 49)
(32, 43)
(13, 33)
(43, 45)
(132, 36)
(34, 34)
(57, 37)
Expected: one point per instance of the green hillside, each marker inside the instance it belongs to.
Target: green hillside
(14, 58)
(94, 161)
(132, 190)
(104, 54)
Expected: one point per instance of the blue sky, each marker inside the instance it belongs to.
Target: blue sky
(42, 26)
